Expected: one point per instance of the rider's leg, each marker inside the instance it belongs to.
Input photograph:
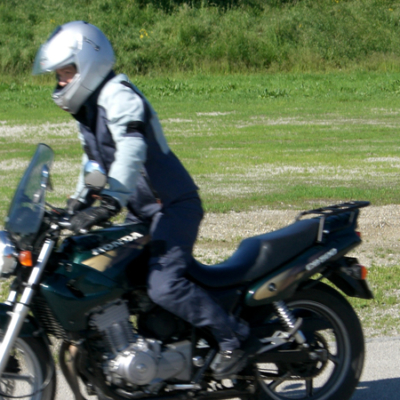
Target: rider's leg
(174, 231)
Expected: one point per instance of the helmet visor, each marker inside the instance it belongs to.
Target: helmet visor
(59, 51)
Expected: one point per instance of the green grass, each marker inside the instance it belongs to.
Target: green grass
(249, 140)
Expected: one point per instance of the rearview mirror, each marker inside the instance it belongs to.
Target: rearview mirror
(95, 177)
(45, 184)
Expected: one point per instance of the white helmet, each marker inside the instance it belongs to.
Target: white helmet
(86, 47)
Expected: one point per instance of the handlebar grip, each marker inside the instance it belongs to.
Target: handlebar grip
(64, 223)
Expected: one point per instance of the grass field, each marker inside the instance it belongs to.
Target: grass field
(281, 141)
(286, 140)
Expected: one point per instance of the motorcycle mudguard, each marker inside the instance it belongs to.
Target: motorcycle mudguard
(351, 286)
(29, 329)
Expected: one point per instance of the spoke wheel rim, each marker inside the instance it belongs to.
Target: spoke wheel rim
(28, 380)
(284, 385)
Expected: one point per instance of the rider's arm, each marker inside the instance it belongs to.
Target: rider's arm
(80, 185)
(125, 113)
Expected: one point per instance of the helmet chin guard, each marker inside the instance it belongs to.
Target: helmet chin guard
(83, 45)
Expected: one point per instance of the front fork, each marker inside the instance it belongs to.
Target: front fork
(21, 308)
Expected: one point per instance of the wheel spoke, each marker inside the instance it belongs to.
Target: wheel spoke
(273, 385)
(309, 387)
(17, 377)
(333, 358)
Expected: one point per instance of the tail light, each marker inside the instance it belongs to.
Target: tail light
(357, 271)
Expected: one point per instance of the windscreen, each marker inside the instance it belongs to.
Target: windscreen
(27, 208)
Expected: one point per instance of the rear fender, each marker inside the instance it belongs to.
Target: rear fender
(348, 281)
(30, 328)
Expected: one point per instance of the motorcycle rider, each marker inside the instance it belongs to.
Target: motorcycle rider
(119, 129)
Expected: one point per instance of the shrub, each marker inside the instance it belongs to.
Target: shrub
(215, 35)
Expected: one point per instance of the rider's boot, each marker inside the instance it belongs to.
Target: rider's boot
(229, 362)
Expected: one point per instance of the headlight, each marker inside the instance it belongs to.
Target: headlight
(8, 262)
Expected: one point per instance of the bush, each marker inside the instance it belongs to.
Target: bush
(215, 35)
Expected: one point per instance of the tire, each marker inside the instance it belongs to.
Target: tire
(32, 364)
(341, 335)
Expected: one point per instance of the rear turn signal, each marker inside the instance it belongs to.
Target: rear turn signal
(357, 271)
(363, 272)
(25, 258)
(358, 234)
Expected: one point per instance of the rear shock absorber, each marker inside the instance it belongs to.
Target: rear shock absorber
(289, 322)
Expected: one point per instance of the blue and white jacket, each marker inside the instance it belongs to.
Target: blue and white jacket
(120, 130)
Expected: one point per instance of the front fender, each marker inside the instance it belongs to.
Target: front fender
(30, 328)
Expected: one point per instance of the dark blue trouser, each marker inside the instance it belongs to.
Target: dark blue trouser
(174, 230)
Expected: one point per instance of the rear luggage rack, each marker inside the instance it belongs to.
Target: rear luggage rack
(335, 209)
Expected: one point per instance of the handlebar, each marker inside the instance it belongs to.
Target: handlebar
(65, 223)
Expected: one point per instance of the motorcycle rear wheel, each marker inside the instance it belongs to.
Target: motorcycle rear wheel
(342, 338)
(30, 372)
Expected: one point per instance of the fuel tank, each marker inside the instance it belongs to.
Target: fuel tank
(94, 269)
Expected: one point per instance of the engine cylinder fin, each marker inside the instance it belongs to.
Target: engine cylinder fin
(113, 323)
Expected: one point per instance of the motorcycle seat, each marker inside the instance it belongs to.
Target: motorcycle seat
(258, 255)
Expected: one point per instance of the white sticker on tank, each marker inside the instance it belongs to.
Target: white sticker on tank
(116, 243)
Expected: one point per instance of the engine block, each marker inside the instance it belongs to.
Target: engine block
(144, 362)
(113, 323)
(135, 359)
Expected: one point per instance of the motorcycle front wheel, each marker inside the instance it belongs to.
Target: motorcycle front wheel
(29, 373)
(332, 328)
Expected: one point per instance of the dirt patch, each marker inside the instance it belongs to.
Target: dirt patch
(220, 234)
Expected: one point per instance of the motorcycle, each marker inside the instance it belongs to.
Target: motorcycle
(88, 292)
